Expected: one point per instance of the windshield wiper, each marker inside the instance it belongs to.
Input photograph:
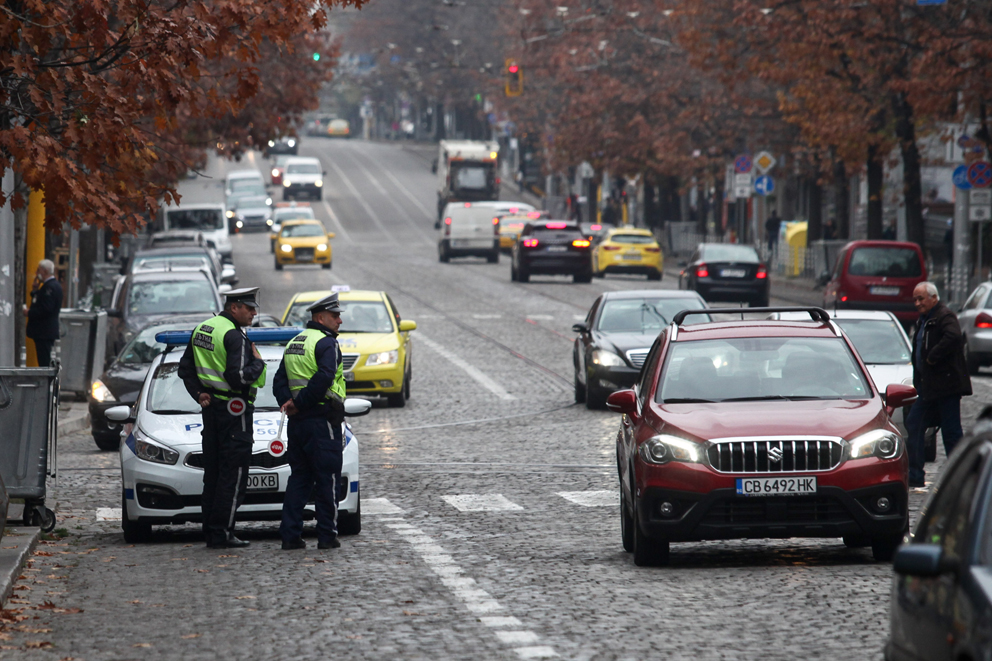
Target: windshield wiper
(688, 400)
(172, 412)
(774, 397)
(265, 409)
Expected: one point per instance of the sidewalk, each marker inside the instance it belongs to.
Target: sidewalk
(73, 417)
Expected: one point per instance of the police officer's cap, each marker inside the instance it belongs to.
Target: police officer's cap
(245, 295)
(327, 304)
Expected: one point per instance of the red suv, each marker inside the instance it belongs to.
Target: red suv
(877, 275)
(759, 429)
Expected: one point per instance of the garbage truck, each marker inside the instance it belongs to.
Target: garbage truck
(466, 172)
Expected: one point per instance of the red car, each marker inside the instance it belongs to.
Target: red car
(759, 429)
(877, 275)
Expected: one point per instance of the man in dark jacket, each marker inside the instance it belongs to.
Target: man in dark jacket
(43, 315)
(939, 375)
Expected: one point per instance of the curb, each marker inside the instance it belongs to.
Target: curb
(73, 424)
(12, 560)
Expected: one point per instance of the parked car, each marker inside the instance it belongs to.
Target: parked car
(468, 230)
(287, 144)
(876, 275)
(758, 429)
(627, 250)
(975, 317)
(941, 605)
(616, 336)
(727, 272)
(551, 248)
(302, 176)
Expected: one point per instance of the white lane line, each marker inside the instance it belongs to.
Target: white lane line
(536, 652)
(361, 200)
(592, 498)
(428, 212)
(392, 200)
(379, 506)
(540, 317)
(497, 621)
(108, 514)
(339, 227)
(487, 316)
(516, 637)
(485, 502)
(477, 374)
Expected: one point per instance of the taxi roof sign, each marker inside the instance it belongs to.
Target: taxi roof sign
(280, 335)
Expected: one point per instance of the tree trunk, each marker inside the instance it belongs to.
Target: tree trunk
(841, 201)
(875, 174)
(814, 230)
(912, 186)
(717, 205)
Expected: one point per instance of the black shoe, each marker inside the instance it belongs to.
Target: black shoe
(231, 542)
(294, 544)
(332, 544)
(916, 483)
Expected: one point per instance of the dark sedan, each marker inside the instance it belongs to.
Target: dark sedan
(942, 592)
(122, 380)
(618, 333)
(552, 247)
(727, 272)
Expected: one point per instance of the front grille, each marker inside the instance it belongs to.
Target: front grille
(258, 460)
(637, 356)
(758, 455)
(781, 510)
(304, 254)
(348, 360)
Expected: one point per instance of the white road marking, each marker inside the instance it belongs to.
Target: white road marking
(487, 316)
(501, 621)
(361, 200)
(536, 652)
(474, 372)
(540, 317)
(485, 502)
(579, 317)
(339, 227)
(592, 498)
(109, 514)
(379, 506)
(516, 637)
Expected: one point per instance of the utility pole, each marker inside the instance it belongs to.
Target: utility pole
(9, 302)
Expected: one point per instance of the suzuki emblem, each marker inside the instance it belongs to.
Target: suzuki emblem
(775, 454)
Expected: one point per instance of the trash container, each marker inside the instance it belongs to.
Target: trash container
(83, 340)
(29, 403)
(795, 239)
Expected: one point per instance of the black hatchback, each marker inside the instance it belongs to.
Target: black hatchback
(727, 272)
(552, 247)
(942, 592)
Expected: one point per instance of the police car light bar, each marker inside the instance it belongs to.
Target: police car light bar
(280, 335)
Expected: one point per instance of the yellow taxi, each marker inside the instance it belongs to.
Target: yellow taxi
(303, 241)
(511, 225)
(339, 128)
(628, 250)
(283, 211)
(375, 342)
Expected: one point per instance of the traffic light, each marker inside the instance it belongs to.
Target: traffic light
(316, 57)
(514, 78)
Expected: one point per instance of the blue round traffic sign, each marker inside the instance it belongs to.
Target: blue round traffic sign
(743, 164)
(980, 174)
(764, 185)
(960, 177)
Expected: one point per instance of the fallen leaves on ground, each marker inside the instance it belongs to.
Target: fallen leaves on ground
(48, 605)
(247, 596)
(191, 635)
(38, 645)
(142, 645)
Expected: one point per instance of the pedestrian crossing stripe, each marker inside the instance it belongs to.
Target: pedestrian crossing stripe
(592, 498)
(108, 514)
(489, 502)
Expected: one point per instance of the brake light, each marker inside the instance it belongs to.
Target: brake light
(580, 243)
(762, 272)
(530, 243)
(702, 271)
(468, 204)
(843, 298)
(497, 181)
(514, 209)
(611, 247)
(983, 320)
(595, 228)
(556, 226)
(533, 214)
(654, 250)
(496, 220)
(447, 221)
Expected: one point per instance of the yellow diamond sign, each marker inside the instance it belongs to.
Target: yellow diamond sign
(764, 161)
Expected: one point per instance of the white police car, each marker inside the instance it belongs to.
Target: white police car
(161, 455)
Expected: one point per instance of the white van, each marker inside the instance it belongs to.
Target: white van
(240, 175)
(468, 230)
(207, 219)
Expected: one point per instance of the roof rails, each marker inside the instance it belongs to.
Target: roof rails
(816, 314)
(280, 335)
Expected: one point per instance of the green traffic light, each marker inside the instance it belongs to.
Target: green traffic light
(316, 57)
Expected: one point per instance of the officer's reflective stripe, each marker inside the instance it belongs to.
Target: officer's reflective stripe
(298, 383)
(210, 357)
(217, 383)
(302, 365)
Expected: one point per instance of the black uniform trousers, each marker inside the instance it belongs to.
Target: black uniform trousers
(226, 456)
(43, 351)
(314, 454)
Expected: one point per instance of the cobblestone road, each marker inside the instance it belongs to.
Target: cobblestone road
(491, 525)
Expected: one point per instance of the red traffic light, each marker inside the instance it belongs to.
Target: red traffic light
(513, 68)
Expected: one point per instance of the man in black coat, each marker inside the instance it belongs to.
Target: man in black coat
(43, 315)
(939, 375)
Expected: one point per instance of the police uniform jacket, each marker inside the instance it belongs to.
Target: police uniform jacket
(308, 401)
(241, 371)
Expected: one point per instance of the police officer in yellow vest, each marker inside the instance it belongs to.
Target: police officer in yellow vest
(222, 370)
(309, 386)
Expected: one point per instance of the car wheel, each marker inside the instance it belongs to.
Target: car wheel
(107, 442)
(442, 253)
(406, 384)
(493, 257)
(351, 524)
(523, 276)
(278, 265)
(582, 278)
(973, 365)
(654, 276)
(272, 247)
(930, 444)
(513, 273)
(318, 196)
(648, 552)
(326, 266)
(883, 548)
(580, 391)
(626, 524)
(396, 400)
(595, 398)
(135, 532)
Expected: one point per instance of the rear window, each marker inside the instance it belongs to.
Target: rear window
(194, 219)
(632, 238)
(171, 297)
(470, 178)
(885, 262)
(730, 253)
(646, 315)
(550, 235)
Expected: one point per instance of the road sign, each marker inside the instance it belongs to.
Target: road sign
(980, 174)
(742, 192)
(764, 162)
(742, 164)
(764, 185)
(961, 177)
(980, 197)
(979, 214)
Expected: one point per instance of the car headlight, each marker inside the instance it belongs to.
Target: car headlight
(384, 358)
(268, 201)
(272, 143)
(321, 247)
(285, 182)
(230, 213)
(269, 222)
(606, 358)
(318, 183)
(153, 452)
(291, 143)
(239, 224)
(101, 392)
(663, 448)
(286, 247)
(879, 443)
(275, 172)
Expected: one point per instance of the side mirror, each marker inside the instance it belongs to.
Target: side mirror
(224, 288)
(921, 560)
(407, 325)
(331, 235)
(119, 414)
(898, 395)
(276, 227)
(434, 166)
(622, 401)
(580, 327)
(355, 407)
(227, 273)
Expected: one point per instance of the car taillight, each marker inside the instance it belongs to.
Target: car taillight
(530, 243)
(496, 226)
(611, 247)
(497, 181)
(556, 226)
(702, 271)
(842, 297)
(447, 221)
(762, 272)
(595, 228)
(533, 214)
(447, 226)
(580, 243)
(468, 205)
(983, 320)
(652, 250)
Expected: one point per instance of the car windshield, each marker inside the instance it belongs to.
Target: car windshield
(646, 315)
(729, 253)
(291, 231)
(885, 262)
(171, 297)
(632, 238)
(167, 394)
(358, 316)
(194, 219)
(143, 348)
(302, 168)
(293, 214)
(742, 369)
(878, 341)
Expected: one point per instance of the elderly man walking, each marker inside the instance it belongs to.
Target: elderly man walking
(43, 315)
(939, 375)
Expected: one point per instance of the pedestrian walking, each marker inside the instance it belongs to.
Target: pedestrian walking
(43, 315)
(222, 371)
(939, 375)
(772, 227)
(309, 386)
